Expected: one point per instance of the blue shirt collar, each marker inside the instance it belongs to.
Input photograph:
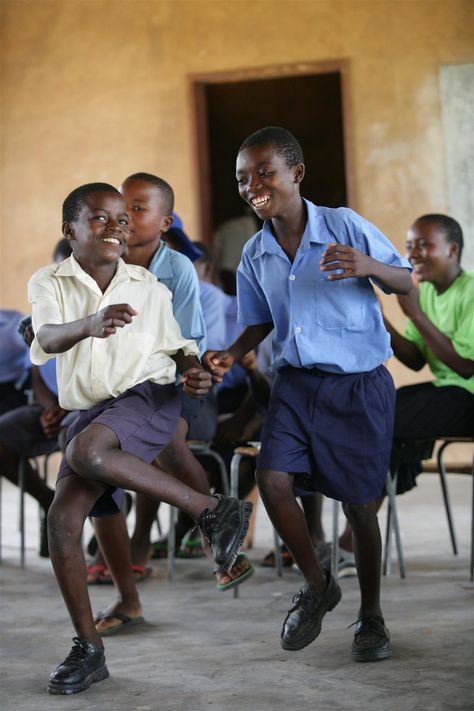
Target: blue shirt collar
(163, 259)
(315, 231)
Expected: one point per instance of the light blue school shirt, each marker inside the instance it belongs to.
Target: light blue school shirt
(176, 271)
(336, 326)
(14, 353)
(213, 304)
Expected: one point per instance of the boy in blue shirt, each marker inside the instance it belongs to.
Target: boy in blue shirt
(308, 275)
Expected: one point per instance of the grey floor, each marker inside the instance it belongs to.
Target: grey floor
(202, 649)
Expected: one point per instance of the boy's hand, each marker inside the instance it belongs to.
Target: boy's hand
(410, 303)
(217, 363)
(50, 421)
(106, 321)
(353, 262)
(197, 382)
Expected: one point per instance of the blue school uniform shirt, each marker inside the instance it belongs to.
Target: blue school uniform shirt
(336, 326)
(176, 271)
(14, 353)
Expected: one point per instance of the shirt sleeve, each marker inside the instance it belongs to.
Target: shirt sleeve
(187, 305)
(45, 309)
(253, 308)
(370, 240)
(170, 338)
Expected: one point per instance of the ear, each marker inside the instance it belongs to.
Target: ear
(299, 171)
(68, 231)
(166, 223)
(453, 250)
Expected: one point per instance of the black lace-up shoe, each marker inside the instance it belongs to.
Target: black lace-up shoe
(303, 621)
(84, 665)
(371, 640)
(225, 528)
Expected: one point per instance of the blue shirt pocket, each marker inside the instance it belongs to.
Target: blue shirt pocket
(339, 304)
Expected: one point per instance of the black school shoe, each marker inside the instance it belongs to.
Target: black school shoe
(371, 640)
(225, 528)
(303, 621)
(84, 665)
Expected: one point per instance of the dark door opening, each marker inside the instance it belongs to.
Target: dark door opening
(311, 105)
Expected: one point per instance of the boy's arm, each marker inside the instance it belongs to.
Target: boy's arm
(437, 342)
(406, 351)
(197, 381)
(356, 264)
(219, 362)
(60, 337)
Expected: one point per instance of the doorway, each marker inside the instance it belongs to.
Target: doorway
(309, 100)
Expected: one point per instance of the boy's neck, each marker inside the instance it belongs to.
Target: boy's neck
(102, 275)
(443, 283)
(141, 255)
(288, 228)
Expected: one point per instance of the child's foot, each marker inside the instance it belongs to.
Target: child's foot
(84, 665)
(117, 617)
(303, 622)
(224, 527)
(371, 640)
(270, 559)
(241, 570)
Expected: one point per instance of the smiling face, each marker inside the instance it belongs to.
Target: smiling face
(266, 182)
(99, 234)
(429, 251)
(148, 212)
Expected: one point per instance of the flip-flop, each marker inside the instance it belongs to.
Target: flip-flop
(94, 573)
(270, 560)
(140, 572)
(159, 549)
(125, 622)
(191, 548)
(248, 572)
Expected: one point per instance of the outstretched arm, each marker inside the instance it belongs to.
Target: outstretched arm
(58, 338)
(356, 264)
(196, 381)
(437, 342)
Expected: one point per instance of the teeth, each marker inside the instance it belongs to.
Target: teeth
(114, 240)
(260, 201)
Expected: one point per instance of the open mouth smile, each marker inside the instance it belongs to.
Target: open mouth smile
(112, 240)
(260, 201)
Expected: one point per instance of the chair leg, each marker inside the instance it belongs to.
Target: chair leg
(222, 470)
(472, 525)
(391, 486)
(1, 559)
(278, 560)
(171, 542)
(335, 538)
(21, 488)
(234, 474)
(444, 489)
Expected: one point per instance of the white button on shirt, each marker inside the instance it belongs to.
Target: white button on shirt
(97, 369)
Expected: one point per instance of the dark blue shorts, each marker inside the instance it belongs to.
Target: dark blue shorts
(143, 419)
(332, 432)
(200, 414)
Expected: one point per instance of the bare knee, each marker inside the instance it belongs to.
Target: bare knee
(65, 526)
(85, 456)
(274, 485)
(360, 515)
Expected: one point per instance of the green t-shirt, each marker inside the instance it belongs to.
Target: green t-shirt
(452, 312)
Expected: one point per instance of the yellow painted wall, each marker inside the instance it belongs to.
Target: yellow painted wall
(97, 89)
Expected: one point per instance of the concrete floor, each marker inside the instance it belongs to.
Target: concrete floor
(202, 649)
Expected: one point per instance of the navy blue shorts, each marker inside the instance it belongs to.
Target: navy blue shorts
(200, 414)
(332, 432)
(143, 419)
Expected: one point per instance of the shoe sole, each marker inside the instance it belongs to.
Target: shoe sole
(311, 636)
(245, 513)
(371, 656)
(98, 675)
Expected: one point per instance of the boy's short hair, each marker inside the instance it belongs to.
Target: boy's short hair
(76, 200)
(450, 227)
(283, 141)
(162, 185)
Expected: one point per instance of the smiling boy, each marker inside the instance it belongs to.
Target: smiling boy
(308, 274)
(116, 363)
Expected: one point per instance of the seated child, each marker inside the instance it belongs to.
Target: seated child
(116, 363)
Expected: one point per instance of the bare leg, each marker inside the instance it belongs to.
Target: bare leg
(95, 455)
(368, 554)
(313, 507)
(345, 539)
(276, 490)
(73, 500)
(113, 539)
